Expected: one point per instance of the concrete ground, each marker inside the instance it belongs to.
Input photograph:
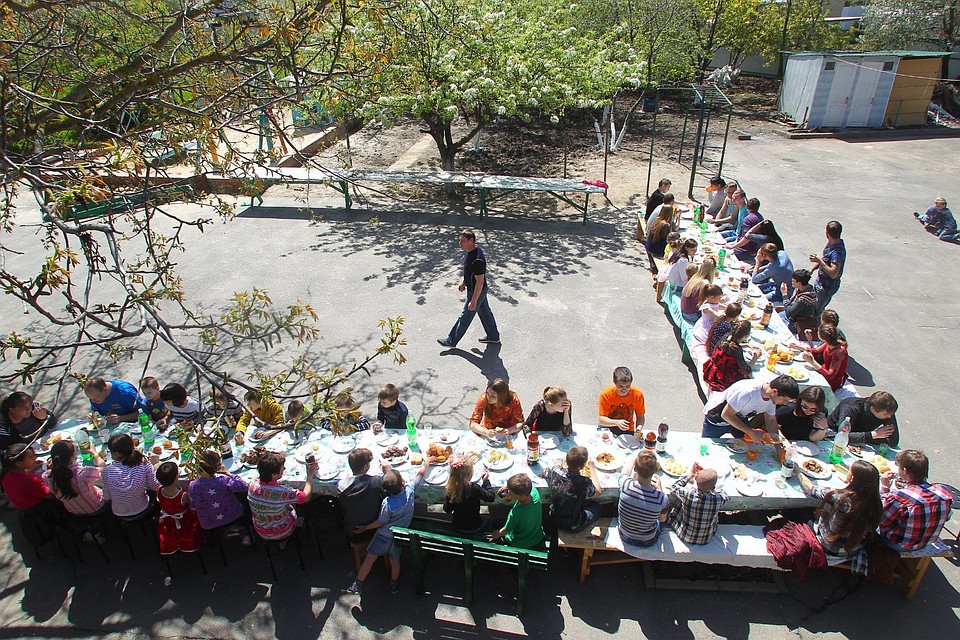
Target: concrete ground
(572, 302)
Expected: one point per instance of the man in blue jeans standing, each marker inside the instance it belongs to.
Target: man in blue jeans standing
(475, 284)
(829, 266)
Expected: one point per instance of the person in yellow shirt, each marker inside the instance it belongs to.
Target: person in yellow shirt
(265, 409)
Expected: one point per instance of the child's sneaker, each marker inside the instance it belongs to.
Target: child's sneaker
(245, 540)
(394, 586)
(354, 588)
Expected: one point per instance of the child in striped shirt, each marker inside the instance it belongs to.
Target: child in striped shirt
(642, 504)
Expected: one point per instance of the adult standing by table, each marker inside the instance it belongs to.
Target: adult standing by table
(873, 420)
(939, 221)
(829, 265)
(475, 283)
(734, 409)
(620, 402)
(21, 420)
(116, 400)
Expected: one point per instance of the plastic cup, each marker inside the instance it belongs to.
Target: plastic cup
(883, 448)
(787, 469)
(751, 455)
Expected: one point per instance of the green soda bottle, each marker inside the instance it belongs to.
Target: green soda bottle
(721, 256)
(412, 432)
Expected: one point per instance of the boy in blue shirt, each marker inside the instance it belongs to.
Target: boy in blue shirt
(150, 388)
(395, 511)
(391, 412)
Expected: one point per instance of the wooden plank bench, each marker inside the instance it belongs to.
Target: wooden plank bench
(733, 545)
(913, 565)
(127, 201)
(422, 543)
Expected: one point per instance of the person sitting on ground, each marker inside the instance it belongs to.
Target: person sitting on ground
(657, 198)
(695, 511)
(266, 412)
(570, 506)
(643, 505)
(801, 305)
(498, 412)
(717, 196)
(272, 503)
(396, 510)
(620, 402)
(116, 400)
(42, 513)
(660, 228)
(362, 494)
(150, 390)
(692, 296)
(180, 406)
(773, 271)
(914, 511)
(728, 362)
(22, 420)
(551, 413)
(939, 221)
(678, 261)
(524, 526)
(736, 409)
(75, 484)
(873, 420)
(804, 418)
(462, 497)
(830, 358)
(846, 515)
(214, 495)
(390, 411)
(746, 246)
(711, 310)
(127, 479)
(722, 327)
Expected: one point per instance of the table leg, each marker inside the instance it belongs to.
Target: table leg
(586, 203)
(585, 564)
(347, 200)
(915, 575)
(468, 564)
(483, 203)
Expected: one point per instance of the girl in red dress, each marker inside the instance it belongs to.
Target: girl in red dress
(178, 527)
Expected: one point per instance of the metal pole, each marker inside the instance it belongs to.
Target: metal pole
(683, 133)
(696, 149)
(783, 40)
(726, 134)
(653, 137)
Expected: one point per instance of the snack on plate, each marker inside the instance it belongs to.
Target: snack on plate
(394, 453)
(673, 466)
(52, 440)
(252, 456)
(496, 456)
(158, 450)
(813, 466)
(740, 471)
(438, 453)
(168, 445)
(750, 302)
(769, 345)
(605, 458)
(797, 373)
(416, 459)
(880, 463)
(785, 355)
(855, 451)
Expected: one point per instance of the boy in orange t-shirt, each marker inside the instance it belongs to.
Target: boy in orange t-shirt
(620, 402)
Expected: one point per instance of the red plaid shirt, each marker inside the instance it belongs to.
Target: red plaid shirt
(914, 514)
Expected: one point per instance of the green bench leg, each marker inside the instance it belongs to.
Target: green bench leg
(522, 569)
(483, 202)
(347, 200)
(586, 203)
(418, 561)
(468, 574)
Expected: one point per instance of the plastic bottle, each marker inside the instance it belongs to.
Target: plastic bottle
(721, 256)
(143, 420)
(662, 431)
(533, 446)
(767, 312)
(412, 432)
(82, 439)
(772, 361)
(840, 442)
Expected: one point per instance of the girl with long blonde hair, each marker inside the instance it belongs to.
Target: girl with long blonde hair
(462, 497)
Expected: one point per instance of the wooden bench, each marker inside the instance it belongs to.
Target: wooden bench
(733, 545)
(422, 543)
(126, 202)
(913, 565)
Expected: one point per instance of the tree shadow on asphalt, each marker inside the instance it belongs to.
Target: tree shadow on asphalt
(522, 253)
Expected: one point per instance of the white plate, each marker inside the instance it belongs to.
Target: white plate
(613, 465)
(866, 452)
(328, 472)
(628, 442)
(826, 470)
(806, 448)
(448, 436)
(499, 465)
(437, 475)
(737, 445)
(258, 435)
(388, 439)
(797, 374)
(311, 447)
(344, 444)
(721, 466)
(685, 466)
(749, 489)
(549, 441)
(754, 293)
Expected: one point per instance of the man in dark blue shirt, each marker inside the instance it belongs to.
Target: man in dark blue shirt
(475, 284)
(939, 221)
(829, 266)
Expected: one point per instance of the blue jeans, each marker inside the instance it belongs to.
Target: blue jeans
(711, 430)
(636, 543)
(729, 236)
(825, 295)
(466, 317)
(691, 317)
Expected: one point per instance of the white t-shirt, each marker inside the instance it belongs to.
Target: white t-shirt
(678, 272)
(745, 398)
(701, 330)
(192, 410)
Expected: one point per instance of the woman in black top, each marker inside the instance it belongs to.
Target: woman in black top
(462, 497)
(551, 413)
(21, 420)
(805, 417)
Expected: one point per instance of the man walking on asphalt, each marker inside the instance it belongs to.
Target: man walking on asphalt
(475, 284)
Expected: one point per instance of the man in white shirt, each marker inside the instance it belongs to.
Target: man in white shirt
(733, 410)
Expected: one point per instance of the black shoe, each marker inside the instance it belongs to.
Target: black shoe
(355, 587)
(394, 586)
(443, 342)
(489, 341)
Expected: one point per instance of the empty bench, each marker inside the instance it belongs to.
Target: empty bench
(422, 543)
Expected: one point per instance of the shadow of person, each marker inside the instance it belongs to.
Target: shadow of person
(487, 361)
(858, 374)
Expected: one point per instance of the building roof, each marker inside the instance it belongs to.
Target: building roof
(897, 53)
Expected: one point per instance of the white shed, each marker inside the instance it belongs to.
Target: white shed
(835, 90)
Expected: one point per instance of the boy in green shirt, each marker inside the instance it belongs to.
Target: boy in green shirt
(524, 526)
